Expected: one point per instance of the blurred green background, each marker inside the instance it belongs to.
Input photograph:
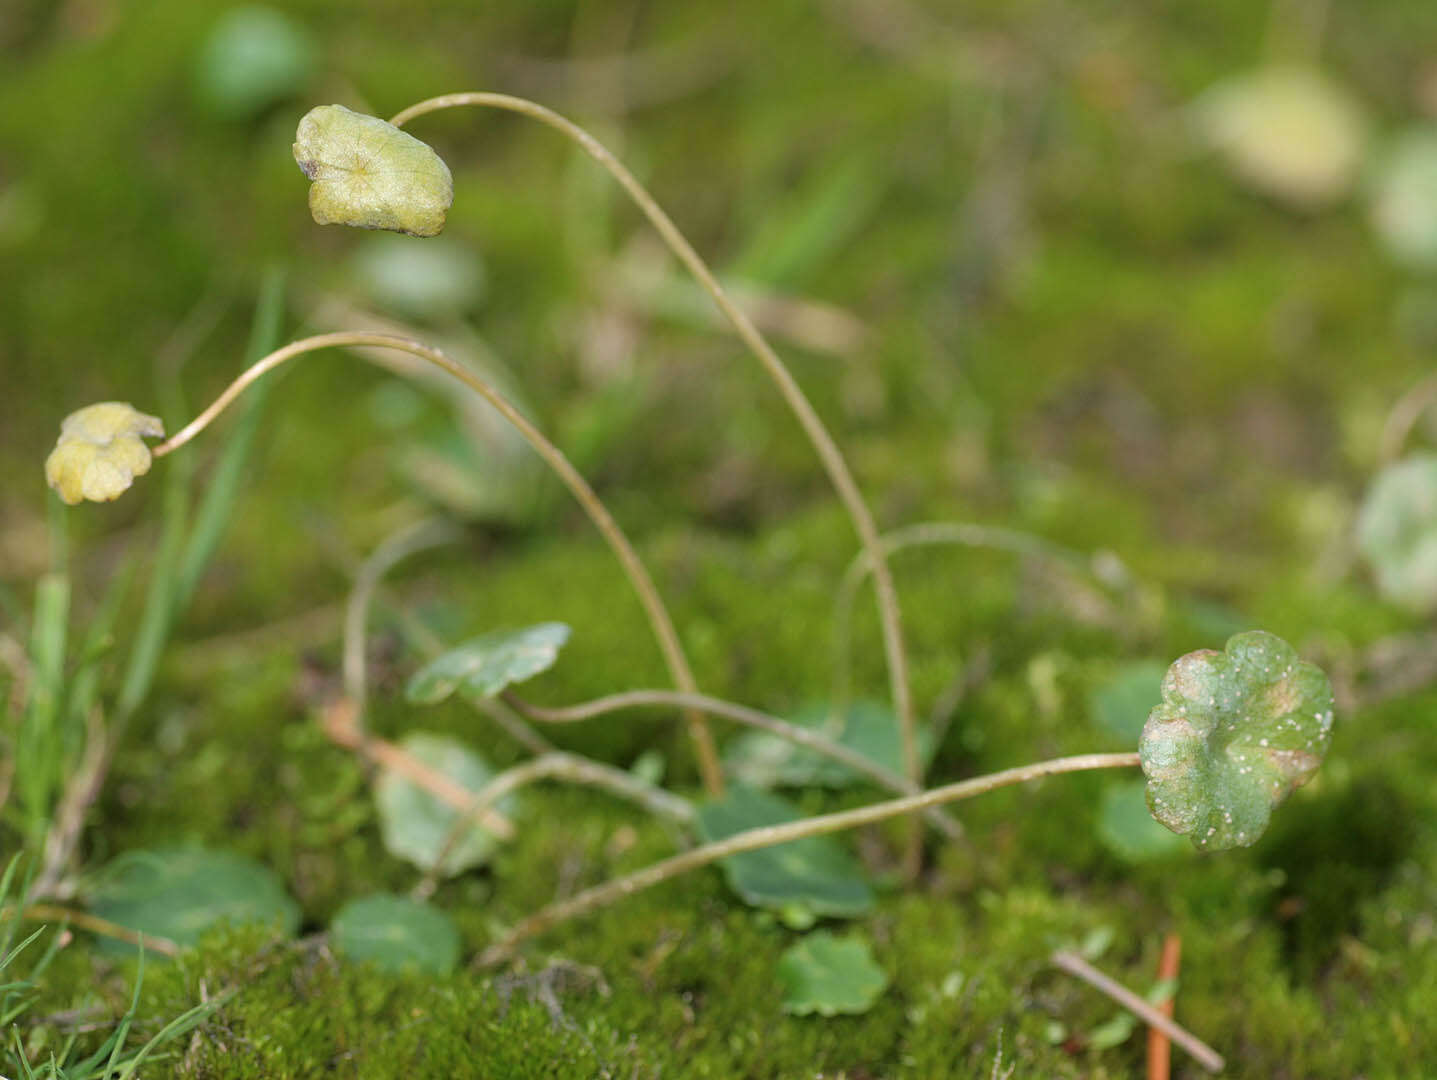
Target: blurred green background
(1142, 278)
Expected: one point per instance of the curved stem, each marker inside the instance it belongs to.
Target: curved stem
(741, 714)
(1403, 417)
(828, 452)
(557, 765)
(925, 534)
(771, 835)
(638, 577)
(410, 540)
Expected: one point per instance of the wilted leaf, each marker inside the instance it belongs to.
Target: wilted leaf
(1127, 829)
(179, 894)
(100, 451)
(1397, 532)
(1235, 733)
(254, 57)
(487, 664)
(830, 975)
(396, 934)
(416, 824)
(369, 174)
(1288, 131)
(814, 874)
(1121, 703)
(766, 761)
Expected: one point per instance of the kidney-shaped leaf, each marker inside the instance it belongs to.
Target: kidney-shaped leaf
(369, 174)
(396, 934)
(830, 975)
(416, 825)
(179, 894)
(1235, 733)
(487, 664)
(1397, 532)
(814, 874)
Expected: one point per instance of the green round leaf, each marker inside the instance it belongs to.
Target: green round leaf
(1404, 197)
(814, 873)
(254, 57)
(415, 824)
(487, 664)
(434, 280)
(1121, 703)
(395, 933)
(1127, 829)
(181, 894)
(762, 760)
(1397, 532)
(1235, 733)
(829, 975)
(369, 174)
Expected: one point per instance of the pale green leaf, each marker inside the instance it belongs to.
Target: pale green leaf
(487, 664)
(395, 933)
(830, 975)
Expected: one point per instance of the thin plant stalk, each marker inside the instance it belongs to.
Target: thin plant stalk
(1074, 964)
(572, 769)
(410, 540)
(926, 534)
(740, 714)
(1403, 417)
(95, 925)
(828, 452)
(638, 577)
(771, 835)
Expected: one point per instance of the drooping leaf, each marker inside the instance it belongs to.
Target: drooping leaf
(254, 57)
(1127, 829)
(179, 894)
(1235, 733)
(1121, 703)
(368, 174)
(762, 760)
(830, 975)
(488, 663)
(415, 824)
(814, 875)
(1397, 532)
(395, 933)
(100, 451)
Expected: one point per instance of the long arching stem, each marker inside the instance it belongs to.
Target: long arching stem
(643, 585)
(828, 452)
(771, 835)
(739, 714)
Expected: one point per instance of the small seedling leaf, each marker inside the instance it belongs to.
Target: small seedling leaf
(489, 663)
(395, 933)
(830, 975)
(415, 825)
(1127, 829)
(1397, 532)
(765, 761)
(1120, 704)
(179, 894)
(368, 174)
(1235, 733)
(815, 873)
